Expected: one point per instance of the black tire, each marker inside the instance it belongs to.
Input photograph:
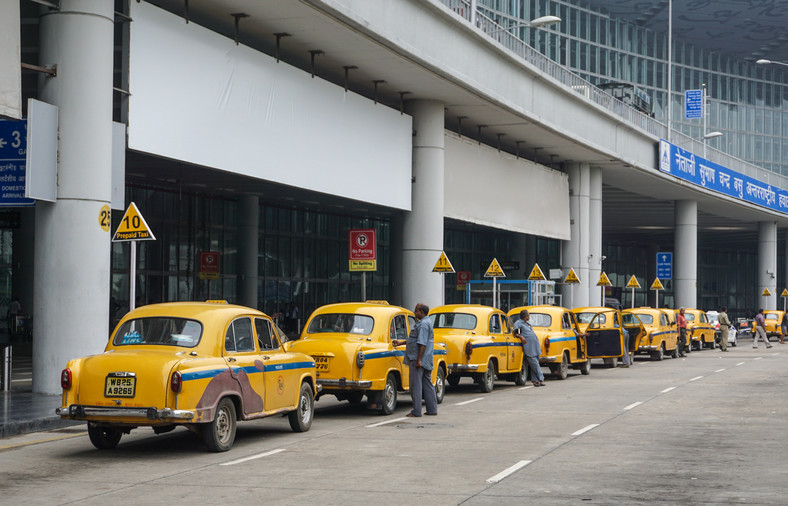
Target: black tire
(454, 379)
(301, 418)
(103, 438)
(585, 369)
(609, 362)
(440, 385)
(674, 353)
(521, 377)
(562, 370)
(219, 435)
(487, 380)
(659, 354)
(388, 397)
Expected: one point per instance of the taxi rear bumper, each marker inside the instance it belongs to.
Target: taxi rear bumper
(343, 383)
(463, 367)
(79, 411)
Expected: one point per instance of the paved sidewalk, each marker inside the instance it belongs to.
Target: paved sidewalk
(23, 412)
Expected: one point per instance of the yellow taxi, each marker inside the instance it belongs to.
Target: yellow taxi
(561, 341)
(772, 319)
(700, 331)
(604, 329)
(661, 335)
(201, 365)
(351, 343)
(479, 344)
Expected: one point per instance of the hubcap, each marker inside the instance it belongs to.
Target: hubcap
(223, 425)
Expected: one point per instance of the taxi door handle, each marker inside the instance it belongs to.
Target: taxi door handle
(266, 357)
(231, 359)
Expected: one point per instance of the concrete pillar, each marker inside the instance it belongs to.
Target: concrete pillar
(575, 252)
(248, 244)
(395, 269)
(685, 270)
(595, 264)
(767, 263)
(422, 227)
(72, 251)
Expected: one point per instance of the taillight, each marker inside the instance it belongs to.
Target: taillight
(360, 359)
(176, 382)
(65, 379)
(546, 345)
(468, 349)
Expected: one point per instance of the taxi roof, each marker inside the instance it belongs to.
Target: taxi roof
(477, 309)
(370, 308)
(192, 309)
(593, 309)
(543, 308)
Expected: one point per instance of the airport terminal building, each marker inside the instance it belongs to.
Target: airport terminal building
(256, 137)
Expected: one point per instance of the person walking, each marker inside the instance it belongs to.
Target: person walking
(783, 327)
(531, 347)
(681, 321)
(760, 330)
(725, 325)
(418, 357)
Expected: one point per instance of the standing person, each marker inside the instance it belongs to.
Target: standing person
(681, 321)
(418, 357)
(783, 328)
(14, 309)
(725, 325)
(627, 358)
(531, 347)
(760, 330)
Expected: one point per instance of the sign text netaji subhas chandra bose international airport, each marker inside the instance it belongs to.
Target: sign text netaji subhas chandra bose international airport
(695, 169)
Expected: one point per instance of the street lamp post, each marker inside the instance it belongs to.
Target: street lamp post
(534, 23)
(706, 135)
(767, 62)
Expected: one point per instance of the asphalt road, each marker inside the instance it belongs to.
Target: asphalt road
(706, 429)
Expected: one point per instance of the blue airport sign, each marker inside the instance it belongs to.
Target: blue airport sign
(665, 265)
(693, 104)
(13, 150)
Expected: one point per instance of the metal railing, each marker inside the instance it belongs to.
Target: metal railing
(629, 114)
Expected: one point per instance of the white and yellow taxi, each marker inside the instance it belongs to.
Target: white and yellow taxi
(560, 339)
(351, 343)
(479, 344)
(661, 335)
(201, 365)
(604, 329)
(700, 331)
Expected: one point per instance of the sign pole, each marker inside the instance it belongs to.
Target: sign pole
(633, 296)
(657, 298)
(133, 276)
(443, 288)
(363, 286)
(494, 292)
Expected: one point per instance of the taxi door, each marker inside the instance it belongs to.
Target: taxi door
(399, 329)
(635, 328)
(500, 348)
(574, 343)
(242, 358)
(605, 339)
(514, 349)
(281, 381)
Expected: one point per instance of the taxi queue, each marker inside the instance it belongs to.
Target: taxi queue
(207, 365)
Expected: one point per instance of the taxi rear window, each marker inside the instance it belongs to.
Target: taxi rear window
(463, 321)
(587, 317)
(689, 316)
(345, 323)
(163, 331)
(540, 320)
(647, 319)
(771, 316)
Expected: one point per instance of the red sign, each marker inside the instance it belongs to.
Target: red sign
(462, 279)
(362, 245)
(209, 265)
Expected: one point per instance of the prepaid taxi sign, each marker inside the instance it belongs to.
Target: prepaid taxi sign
(133, 227)
(604, 280)
(784, 293)
(633, 282)
(494, 270)
(657, 285)
(443, 264)
(766, 292)
(572, 277)
(536, 274)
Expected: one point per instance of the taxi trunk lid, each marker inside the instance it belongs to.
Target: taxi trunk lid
(334, 354)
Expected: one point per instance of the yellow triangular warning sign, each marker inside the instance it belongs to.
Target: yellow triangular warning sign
(604, 280)
(657, 285)
(536, 274)
(133, 227)
(443, 264)
(633, 282)
(572, 277)
(494, 270)
(766, 292)
(785, 293)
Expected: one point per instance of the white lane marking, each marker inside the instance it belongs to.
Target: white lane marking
(252, 457)
(585, 429)
(468, 402)
(385, 422)
(524, 388)
(667, 390)
(696, 378)
(633, 405)
(720, 370)
(740, 363)
(509, 470)
(757, 358)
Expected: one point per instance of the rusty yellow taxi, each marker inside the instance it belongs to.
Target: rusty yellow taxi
(604, 329)
(772, 319)
(202, 365)
(351, 343)
(700, 331)
(562, 343)
(479, 344)
(661, 334)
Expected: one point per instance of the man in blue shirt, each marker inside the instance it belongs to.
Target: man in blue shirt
(531, 347)
(418, 358)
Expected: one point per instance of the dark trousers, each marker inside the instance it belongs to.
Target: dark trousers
(683, 341)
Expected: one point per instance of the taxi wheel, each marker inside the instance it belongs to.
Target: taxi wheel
(453, 379)
(585, 369)
(562, 370)
(521, 377)
(440, 385)
(104, 438)
(659, 354)
(675, 352)
(301, 418)
(219, 434)
(487, 380)
(389, 396)
(610, 362)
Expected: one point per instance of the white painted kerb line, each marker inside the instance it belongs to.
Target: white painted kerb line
(667, 390)
(468, 402)
(384, 423)
(633, 405)
(253, 457)
(696, 378)
(740, 363)
(509, 470)
(719, 370)
(757, 358)
(585, 429)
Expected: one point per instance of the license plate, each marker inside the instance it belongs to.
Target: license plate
(120, 387)
(321, 363)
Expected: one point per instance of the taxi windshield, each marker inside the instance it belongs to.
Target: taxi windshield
(540, 320)
(462, 321)
(646, 319)
(159, 330)
(587, 317)
(344, 323)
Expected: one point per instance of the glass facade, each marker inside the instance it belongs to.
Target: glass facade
(748, 103)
